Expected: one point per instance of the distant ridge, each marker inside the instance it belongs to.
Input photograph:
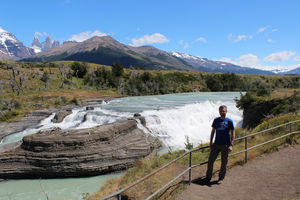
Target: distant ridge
(106, 50)
(11, 48)
(206, 65)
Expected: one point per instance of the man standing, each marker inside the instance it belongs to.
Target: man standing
(223, 143)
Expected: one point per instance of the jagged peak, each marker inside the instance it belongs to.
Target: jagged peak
(2, 30)
(48, 38)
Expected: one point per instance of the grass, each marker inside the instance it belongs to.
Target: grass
(143, 167)
(36, 96)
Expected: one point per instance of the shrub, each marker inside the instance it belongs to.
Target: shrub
(79, 69)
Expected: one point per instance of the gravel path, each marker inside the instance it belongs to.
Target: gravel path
(271, 176)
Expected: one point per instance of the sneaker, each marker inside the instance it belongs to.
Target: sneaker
(220, 181)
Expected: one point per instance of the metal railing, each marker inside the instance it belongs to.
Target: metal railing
(191, 166)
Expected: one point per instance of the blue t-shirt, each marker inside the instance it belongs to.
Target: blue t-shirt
(223, 128)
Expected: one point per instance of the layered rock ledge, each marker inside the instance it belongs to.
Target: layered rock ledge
(76, 153)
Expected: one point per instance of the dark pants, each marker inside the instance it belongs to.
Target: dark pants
(216, 149)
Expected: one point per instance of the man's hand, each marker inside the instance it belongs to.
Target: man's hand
(230, 148)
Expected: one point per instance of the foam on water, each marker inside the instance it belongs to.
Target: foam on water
(192, 120)
(169, 117)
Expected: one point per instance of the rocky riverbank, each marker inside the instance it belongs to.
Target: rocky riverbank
(33, 118)
(75, 153)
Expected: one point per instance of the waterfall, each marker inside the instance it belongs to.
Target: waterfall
(193, 120)
(169, 117)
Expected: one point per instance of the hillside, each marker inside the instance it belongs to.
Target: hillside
(105, 50)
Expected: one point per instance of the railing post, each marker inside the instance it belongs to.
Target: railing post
(246, 147)
(190, 171)
(291, 136)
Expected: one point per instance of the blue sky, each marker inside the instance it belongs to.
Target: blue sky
(256, 33)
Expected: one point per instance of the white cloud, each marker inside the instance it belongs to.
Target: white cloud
(279, 67)
(262, 29)
(224, 59)
(251, 60)
(248, 60)
(297, 58)
(86, 35)
(40, 34)
(279, 56)
(250, 37)
(201, 39)
(270, 40)
(238, 38)
(185, 45)
(230, 36)
(149, 39)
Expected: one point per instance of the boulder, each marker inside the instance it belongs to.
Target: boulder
(59, 117)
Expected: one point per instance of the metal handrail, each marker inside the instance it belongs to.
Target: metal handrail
(260, 132)
(118, 193)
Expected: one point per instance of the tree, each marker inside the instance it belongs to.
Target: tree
(117, 69)
(63, 73)
(17, 79)
(79, 69)
(146, 77)
(45, 78)
(213, 83)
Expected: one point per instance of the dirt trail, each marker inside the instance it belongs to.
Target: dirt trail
(271, 176)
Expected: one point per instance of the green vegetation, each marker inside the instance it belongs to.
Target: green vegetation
(29, 86)
(55, 84)
(148, 165)
(260, 105)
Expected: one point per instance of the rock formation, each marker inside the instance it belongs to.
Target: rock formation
(59, 117)
(55, 43)
(31, 120)
(75, 153)
(47, 44)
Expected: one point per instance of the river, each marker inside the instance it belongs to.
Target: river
(171, 118)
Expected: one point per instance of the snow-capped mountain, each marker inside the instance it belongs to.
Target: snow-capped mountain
(287, 71)
(280, 71)
(11, 48)
(206, 65)
(38, 47)
(47, 44)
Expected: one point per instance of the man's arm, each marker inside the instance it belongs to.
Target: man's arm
(212, 133)
(232, 139)
(232, 136)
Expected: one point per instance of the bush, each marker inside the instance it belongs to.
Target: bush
(79, 69)
(117, 69)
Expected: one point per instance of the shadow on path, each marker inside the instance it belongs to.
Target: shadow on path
(204, 182)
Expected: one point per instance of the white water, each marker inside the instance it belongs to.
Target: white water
(168, 117)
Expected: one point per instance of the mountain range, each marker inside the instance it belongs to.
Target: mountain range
(11, 48)
(106, 50)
